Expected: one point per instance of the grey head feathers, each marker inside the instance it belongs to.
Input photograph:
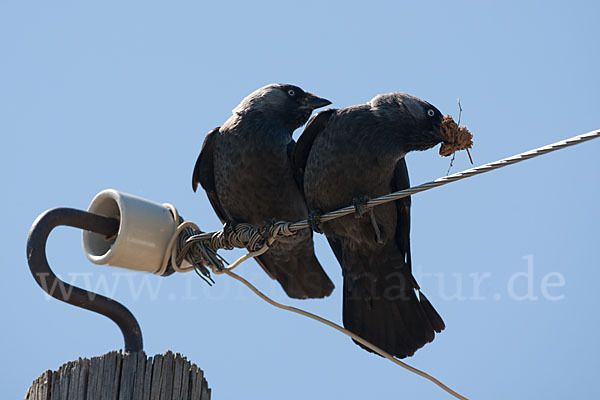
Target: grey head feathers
(281, 104)
(263, 99)
(388, 104)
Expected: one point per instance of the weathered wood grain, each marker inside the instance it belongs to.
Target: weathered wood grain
(118, 376)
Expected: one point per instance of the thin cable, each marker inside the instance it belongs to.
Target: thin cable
(240, 260)
(335, 326)
(171, 252)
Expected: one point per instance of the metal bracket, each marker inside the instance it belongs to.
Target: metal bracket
(51, 284)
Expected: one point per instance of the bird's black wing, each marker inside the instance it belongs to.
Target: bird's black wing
(291, 147)
(204, 174)
(305, 142)
(300, 158)
(336, 247)
(401, 181)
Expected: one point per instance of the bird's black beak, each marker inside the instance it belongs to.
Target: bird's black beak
(314, 102)
(438, 134)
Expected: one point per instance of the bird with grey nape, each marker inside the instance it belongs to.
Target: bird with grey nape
(344, 157)
(246, 170)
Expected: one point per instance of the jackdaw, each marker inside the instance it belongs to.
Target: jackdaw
(343, 156)
(246, 170)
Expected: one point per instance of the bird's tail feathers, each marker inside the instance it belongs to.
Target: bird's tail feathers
(435, 320)
(395, 317)
(301, 277)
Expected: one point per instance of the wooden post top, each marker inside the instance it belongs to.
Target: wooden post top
(129, 376)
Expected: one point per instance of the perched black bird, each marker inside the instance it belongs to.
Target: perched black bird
(348, 154)
(245, 167)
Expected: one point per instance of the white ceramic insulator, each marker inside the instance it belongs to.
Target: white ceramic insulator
(144, 232)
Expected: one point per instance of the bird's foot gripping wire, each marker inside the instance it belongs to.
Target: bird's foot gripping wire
(314, 221)
(360, 206)
(266, 232)
(360, 209)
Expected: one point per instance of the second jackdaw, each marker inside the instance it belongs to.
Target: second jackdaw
(343, 156)
(245, 167)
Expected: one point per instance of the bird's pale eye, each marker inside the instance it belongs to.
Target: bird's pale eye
(430, 112)
(291, 92)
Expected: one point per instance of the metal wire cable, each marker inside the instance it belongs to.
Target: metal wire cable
(258, 240)
(454, 177)
(253, 238)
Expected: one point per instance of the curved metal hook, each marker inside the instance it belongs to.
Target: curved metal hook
(51, 284)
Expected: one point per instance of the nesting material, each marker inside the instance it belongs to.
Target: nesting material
(457, 138)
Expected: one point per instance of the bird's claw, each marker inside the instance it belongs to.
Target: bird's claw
(378, 234)
(314, 221)
(360, 206)
(360, 209)
(265, 231)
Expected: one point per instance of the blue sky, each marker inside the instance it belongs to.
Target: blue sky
(97, 95)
